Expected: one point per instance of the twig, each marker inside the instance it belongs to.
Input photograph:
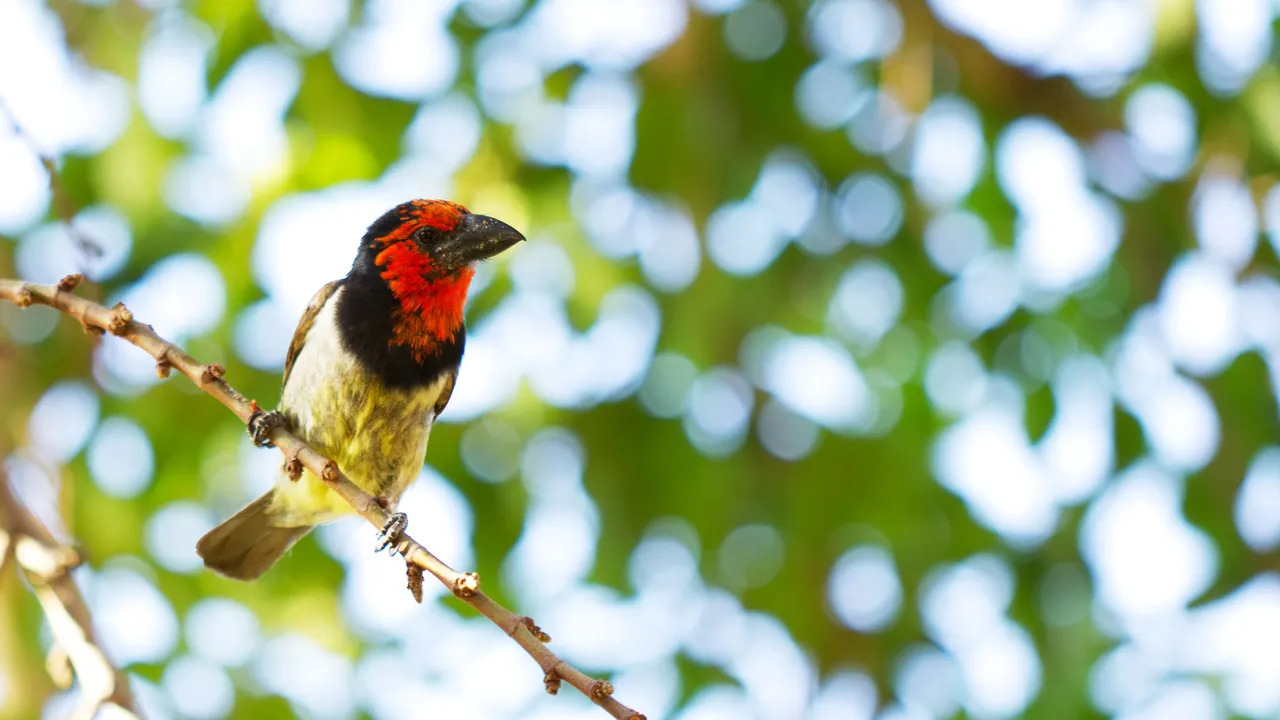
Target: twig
(298, 455)
(63, 206)
(47, 566)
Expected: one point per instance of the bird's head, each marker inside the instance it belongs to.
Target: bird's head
(426, 251)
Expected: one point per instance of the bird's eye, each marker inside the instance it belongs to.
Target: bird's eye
(426, 235)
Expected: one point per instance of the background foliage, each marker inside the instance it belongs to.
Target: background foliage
(868, 357)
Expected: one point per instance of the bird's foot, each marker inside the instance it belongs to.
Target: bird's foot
(391, 532)
(261, 423)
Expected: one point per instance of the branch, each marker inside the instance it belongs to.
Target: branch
(63, 206)
(298, 455)
(47, 566)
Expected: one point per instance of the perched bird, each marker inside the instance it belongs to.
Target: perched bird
(371, 366)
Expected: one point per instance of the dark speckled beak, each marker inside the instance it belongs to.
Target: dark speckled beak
(478, 237)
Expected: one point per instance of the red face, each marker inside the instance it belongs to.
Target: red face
(431, 297)
(425, 251)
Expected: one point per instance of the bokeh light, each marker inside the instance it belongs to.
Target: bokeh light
(866, 359)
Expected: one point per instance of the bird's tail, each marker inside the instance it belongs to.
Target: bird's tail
(247, 544)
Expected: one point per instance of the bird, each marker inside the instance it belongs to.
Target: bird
(371, 365)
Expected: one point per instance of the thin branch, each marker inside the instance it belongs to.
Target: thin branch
(75, 652)
(63, 206)
(298, 455)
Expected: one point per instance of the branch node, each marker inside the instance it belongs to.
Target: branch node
(330, 472)
(293, 467)
(552, 681)
(68, 559)
(537, 631)
(163, 365)
(212, 372)
(601, 689)
(120, 319)
(49, 563)
(23, 297)
(70, 282)
(466, 584)
(415, 581)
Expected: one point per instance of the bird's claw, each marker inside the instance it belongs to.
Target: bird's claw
(391, 532)
(261, 423)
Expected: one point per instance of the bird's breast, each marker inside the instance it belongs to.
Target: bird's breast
(376, 433)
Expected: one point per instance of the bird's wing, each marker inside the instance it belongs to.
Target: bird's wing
(446, 390)
(304, 325)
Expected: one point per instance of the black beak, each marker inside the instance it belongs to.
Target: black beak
(478, 237)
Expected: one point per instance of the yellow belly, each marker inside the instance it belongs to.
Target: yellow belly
(377, 435)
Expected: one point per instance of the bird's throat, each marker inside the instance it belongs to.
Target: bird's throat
(430, 309)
